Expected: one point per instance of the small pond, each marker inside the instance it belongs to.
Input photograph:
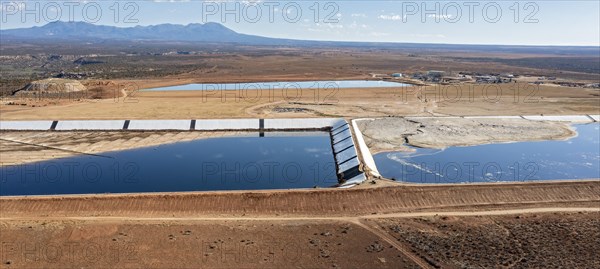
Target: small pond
(576, 158)
(286, 160)
(329, 84)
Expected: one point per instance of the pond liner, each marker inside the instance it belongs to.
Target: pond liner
(92, 125)
(342, 135)
(346, 148)
(339, 132)
(347, 154)
(352, 172)
(565, 118)
(336, 128)
(348, 165)
(36, 125)
(360, 178)
(342, 140)
(339, 147)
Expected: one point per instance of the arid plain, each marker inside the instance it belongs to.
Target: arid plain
(379, 224)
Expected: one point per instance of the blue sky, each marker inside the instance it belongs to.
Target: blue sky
(472, 22)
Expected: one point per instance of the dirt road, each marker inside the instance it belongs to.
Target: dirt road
(355, 219)
(263, 242)
(355, 103)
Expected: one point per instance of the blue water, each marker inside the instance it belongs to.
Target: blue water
(277, 161)
(331, 84)
(576, 158)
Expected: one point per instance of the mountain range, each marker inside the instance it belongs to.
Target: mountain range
(196, 32)
(217, 33)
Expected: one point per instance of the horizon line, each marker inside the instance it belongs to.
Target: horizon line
(314, 40)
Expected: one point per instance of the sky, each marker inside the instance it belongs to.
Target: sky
(457, 22)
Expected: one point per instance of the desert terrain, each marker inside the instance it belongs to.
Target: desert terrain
(378, 224)
(396, 227)
(351, 103)
(116, 75)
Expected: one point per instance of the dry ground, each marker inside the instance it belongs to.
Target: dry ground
(256, 64)
(371, 102)
(196, 244)
(382, 225)
(521, 238)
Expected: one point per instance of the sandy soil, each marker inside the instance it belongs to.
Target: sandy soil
(528, 237)
(394, 134)
(504, 99)
(193, 244)
(27, 147)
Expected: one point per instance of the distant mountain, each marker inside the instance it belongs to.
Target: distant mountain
(217, 33)
(208, 32)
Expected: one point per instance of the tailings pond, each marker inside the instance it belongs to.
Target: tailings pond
(285, 160)
(576, 158)
(330, 84)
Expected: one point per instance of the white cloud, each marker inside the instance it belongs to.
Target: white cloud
(360, 15)
(390, 17)
(448, 16)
